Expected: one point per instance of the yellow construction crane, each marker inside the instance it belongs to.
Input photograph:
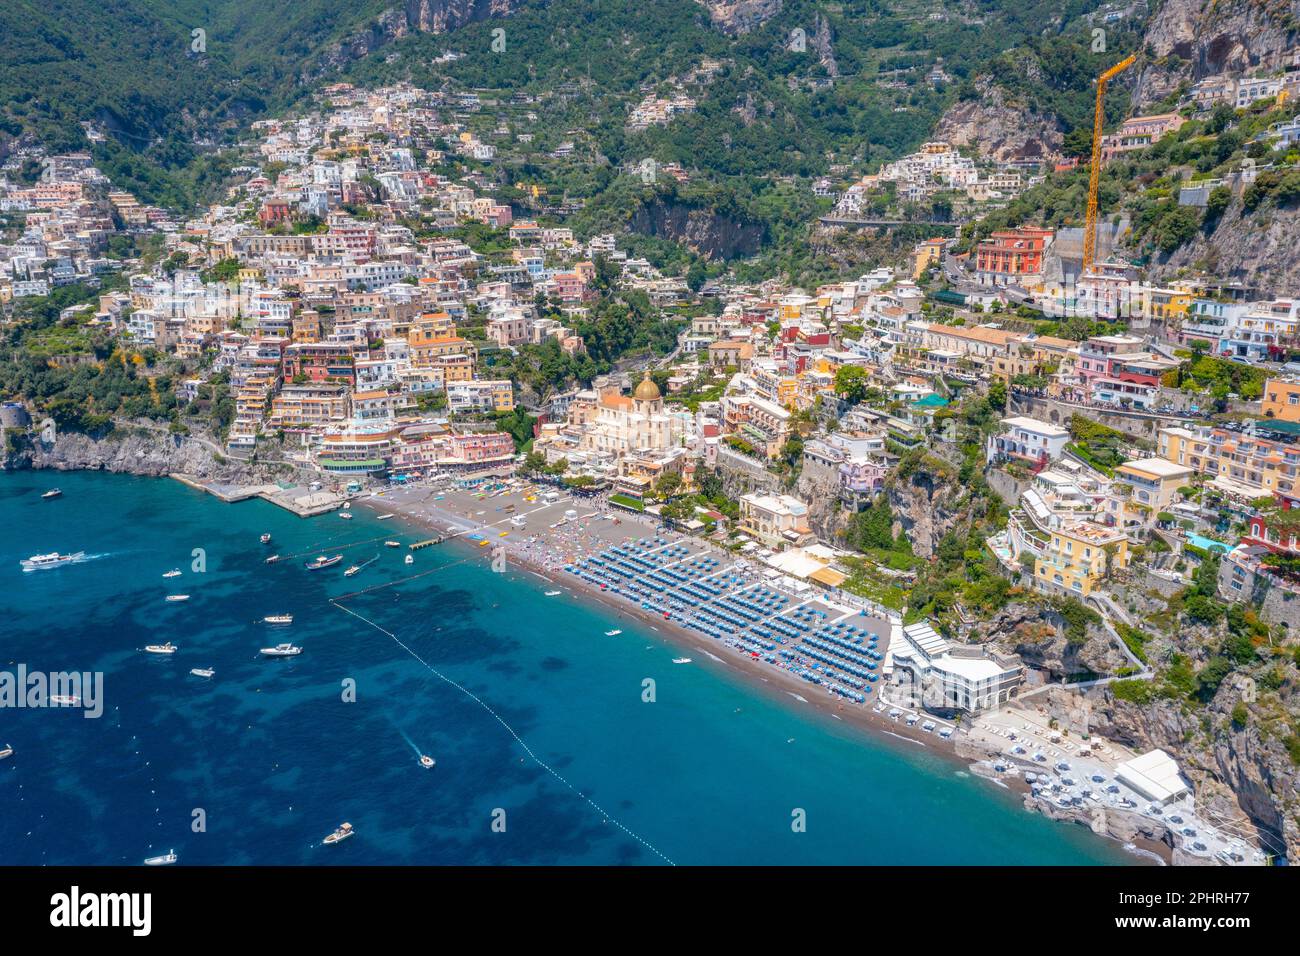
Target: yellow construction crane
(1094, 172)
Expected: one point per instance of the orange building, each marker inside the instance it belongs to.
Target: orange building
(1012, 255)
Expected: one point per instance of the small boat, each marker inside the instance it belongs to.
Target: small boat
(52, 494)
(321, 561)
(614, 633)
(384, 517)
(272, 559)
(346, 515)
(167, 859)
(173, 573)
(278, 619)
(410, 559)
(168, 648)
(427, 762)
(176, 598)
(358, 568)
(265, 539)
(38, 562)
(392, 544)
(681, 660)
(65, 700)
(202, 671)
(6, 751)
(338, 836)
(282, 650)
(552, 593)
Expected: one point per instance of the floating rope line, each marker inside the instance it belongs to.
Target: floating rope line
(510, 730)
(326, 545)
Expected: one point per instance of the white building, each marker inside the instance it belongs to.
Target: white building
(1029, 440)
(948, 677)
(1154, 775)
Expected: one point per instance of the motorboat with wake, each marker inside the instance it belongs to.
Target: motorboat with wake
(320, 561)
(39, 562)
(614, 633)
(167, 859)
(281, 650)
(358, 568)
(427, 762)
(168, 648)
(338, 836)
(681, 660)
(173, 573)
(272, 559)
(278, 619)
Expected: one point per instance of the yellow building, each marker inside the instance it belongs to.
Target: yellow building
(1152, 487)
(1078, 557)
(1281, 399)
(926, 254)
(1244, 465)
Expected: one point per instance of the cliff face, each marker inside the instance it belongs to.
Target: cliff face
(923, 505)
(740, 16)
(414, 16)
(1238, 773)
(1255, 248)
(711, 234)
(998, 128)
(135, 452)
(1038, 635)
(1192, 39)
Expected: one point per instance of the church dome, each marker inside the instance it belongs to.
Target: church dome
(647, 391)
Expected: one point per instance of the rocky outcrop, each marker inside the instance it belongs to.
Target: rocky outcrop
(926, 507)
(1255, 248)
(735, 17)
(1240, 774)
(710, 234)
(823, 47)
(1000, 129)
(1040, 636)
(138, 451)
(1189, 40)
(413, 16)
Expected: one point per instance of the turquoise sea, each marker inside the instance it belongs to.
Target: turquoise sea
(712, 771)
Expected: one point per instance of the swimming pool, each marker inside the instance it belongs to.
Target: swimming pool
(1207, 544)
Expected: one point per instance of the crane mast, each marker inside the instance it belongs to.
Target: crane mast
(1094, 171)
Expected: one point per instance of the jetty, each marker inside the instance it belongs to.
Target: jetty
(426, 543)
(302, 501)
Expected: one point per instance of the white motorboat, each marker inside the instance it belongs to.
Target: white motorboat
(392, 544)
(427, 762)
(177, 598)
(168, 648)
(338, 836)
(384, 517)
(173, 573)
(552, 593)
(202, 671)
(319, 562)
(346, 515)
(282, 650)
(65, 700)
(6, 752)
(681, 660)
(272, 559)
(167, 859)
(358, 568)
(266, 538)
(52, 493)
(278, 619)
(39, 562)
(614, 633)
(410, 559)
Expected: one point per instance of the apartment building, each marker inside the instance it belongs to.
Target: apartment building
(1078, 557)
(778, 521)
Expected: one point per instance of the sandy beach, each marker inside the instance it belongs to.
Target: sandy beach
(532, 541)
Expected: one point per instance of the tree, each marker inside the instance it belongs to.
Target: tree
(851, 383)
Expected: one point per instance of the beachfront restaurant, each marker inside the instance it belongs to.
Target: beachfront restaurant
(954, 677)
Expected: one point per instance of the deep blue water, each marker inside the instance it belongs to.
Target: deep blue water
(276, 759)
